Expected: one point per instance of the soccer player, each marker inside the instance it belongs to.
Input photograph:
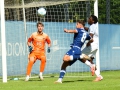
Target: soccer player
(36, 43)
(74, 54)
(91, 48)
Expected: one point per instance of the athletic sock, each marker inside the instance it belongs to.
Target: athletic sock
(62, 73)
(40, 73)
(88, 63)
(27, 76)
(97, 73)
(60, 80)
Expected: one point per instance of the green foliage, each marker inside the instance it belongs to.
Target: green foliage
(102, 11)
(114, 11)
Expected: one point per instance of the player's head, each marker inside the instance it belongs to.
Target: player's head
(92, 19)
(40, 27)
(80, 24)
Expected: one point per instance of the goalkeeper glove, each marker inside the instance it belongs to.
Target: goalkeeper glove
(48, 50)
(30, 48)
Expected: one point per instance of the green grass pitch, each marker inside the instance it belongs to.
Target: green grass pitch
(111, 81)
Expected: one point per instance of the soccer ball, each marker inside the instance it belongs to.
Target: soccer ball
(41, 11)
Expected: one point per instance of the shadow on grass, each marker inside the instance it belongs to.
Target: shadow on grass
(75, 81)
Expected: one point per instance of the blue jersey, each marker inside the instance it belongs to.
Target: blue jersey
(78, 41)
(80, 37)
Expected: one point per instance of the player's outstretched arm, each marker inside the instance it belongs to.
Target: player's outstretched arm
(70, 31)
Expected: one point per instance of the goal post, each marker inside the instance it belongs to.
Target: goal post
(3, 41)
(20, 21)
(97, 54)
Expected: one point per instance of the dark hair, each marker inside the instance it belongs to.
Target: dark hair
(40, 24)
(82, 22)
(94, 18)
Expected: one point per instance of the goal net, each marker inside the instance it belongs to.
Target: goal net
(20, 22)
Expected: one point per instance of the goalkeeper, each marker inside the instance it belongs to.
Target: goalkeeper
(36, 43)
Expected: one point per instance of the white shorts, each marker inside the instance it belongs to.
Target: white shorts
(90, 51)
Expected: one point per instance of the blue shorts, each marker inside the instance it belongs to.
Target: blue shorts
(76, 52)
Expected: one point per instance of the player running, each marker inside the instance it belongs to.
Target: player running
(74, 54)
(36, 43)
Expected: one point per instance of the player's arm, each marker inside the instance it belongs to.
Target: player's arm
(29, 43)
(92, 31)
(91, 34)
(90, 41)
(49, 43)
(70, 31)
(48, 40)
(86, 28)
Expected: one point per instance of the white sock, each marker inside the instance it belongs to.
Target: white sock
(97, 73)
(27, 76)
(40, 74)
(88, 63)
(60, 80)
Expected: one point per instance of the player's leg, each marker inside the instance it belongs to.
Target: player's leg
(89, 63)
(62, 71)
(92, 55)
(84, 57)
(66, 62)
(64, 66)
(32, 60)
(42, 66)
(99, 77)
(92, 66)
(87, 51)
(93, 69)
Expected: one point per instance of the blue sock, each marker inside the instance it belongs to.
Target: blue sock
(62, 73)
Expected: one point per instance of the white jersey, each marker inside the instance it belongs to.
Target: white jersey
(92, 49)
(94, 30)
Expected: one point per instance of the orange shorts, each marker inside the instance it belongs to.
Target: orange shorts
(37, 55)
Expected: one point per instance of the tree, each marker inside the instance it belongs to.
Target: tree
(114, 11)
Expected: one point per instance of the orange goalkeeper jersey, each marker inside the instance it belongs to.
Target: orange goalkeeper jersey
(38, 41)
